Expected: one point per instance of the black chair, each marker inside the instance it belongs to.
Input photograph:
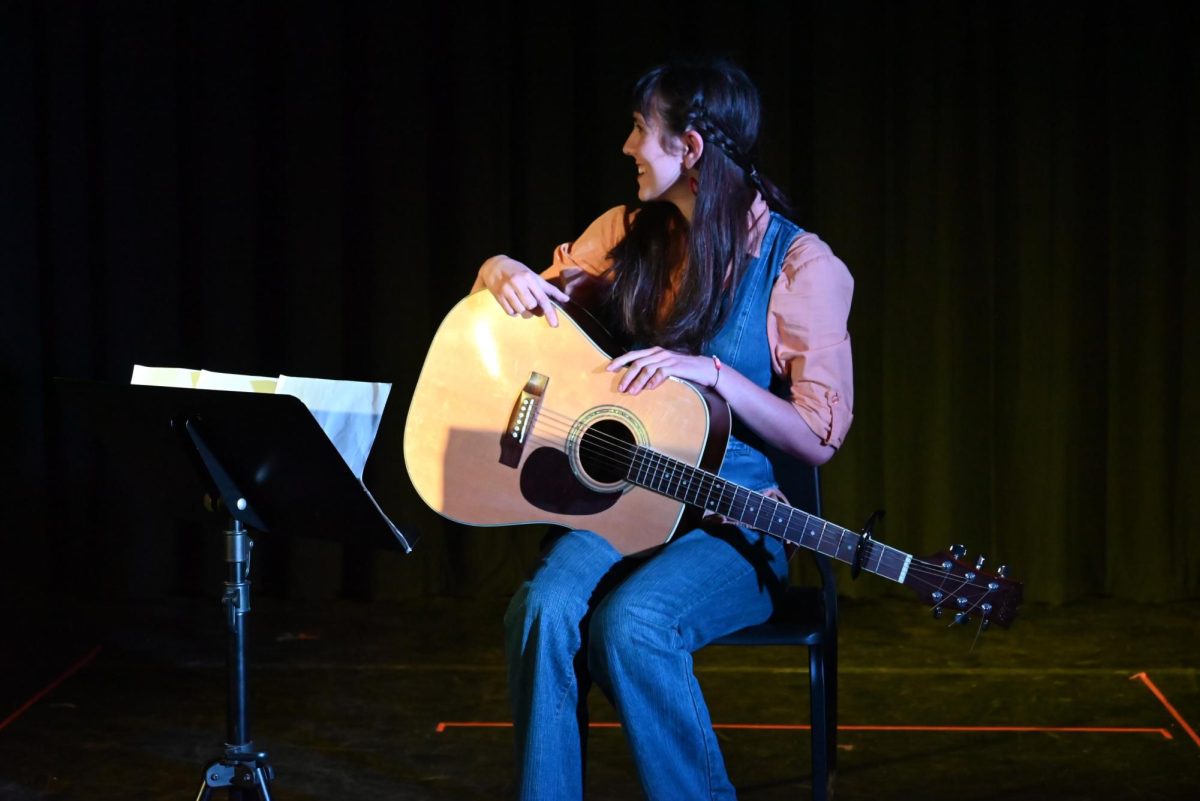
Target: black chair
(807, 616)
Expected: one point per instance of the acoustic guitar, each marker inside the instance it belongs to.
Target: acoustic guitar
(515, 422)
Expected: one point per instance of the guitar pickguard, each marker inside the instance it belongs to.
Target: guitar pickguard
(547, 483)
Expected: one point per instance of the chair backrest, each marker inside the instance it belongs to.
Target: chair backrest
(801, 483)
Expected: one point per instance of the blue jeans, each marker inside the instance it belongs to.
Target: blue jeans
(630, 625)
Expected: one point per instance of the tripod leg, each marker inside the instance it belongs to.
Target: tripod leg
(261, 782)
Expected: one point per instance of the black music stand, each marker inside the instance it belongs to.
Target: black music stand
(264, 460)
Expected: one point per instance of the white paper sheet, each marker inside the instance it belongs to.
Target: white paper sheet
(349, 412)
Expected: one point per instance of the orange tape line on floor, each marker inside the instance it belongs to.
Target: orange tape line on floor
(1145, 679)
(49, 688)
(444, 725)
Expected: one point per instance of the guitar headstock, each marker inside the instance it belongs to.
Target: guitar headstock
(964, 591)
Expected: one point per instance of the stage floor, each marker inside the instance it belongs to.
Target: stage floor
(407, 701)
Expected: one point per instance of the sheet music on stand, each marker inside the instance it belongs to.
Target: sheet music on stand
(349, 412)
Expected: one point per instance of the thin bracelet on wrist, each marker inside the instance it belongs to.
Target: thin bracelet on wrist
(717, 365)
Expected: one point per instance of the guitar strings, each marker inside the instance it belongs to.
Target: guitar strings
(618, 453)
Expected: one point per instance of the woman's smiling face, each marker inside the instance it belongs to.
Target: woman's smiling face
(659, 158)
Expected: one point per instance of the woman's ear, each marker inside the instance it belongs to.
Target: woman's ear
(693, 148)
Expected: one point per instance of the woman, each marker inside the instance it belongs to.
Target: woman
(717, 289)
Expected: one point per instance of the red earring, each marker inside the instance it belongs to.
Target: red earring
(694, 184)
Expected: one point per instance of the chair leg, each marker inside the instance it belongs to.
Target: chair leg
(818, 695)
(831, 707)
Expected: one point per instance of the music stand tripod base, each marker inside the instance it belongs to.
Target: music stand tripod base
(239, 771)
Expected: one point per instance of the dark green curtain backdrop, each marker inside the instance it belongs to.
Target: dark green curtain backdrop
(306, 188)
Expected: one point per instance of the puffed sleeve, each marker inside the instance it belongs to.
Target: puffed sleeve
(810, 345)
(590, 251)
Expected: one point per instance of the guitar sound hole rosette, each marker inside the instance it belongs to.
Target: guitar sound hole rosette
(601, 446)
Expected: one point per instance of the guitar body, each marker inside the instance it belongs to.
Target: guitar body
(515, 422)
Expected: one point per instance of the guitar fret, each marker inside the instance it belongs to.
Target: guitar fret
(820, 544)
(712, 505)
(769, 506)
(638, 465)
(707, 496)
(878, 552)
(687, 484)
(678, 479)
(779, 524)
(895, 562)
(754, 506)
(750, 508)
(808, 530)
(652, 468)
(898, 563)
(786, 533)
(738, 512)
(846, 550)
(735, 512)
(734, 499)
(729, 493)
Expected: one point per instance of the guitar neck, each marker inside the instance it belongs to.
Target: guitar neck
(715, 495)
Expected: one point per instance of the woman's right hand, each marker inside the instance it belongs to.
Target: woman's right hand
(519, 290)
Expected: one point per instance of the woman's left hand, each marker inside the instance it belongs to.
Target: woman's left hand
(648, 368)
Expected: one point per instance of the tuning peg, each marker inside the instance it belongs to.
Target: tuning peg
(985, 624)
(958, 551)
(979, 562)
(937, 613)
(961, 618)
(1002, 571)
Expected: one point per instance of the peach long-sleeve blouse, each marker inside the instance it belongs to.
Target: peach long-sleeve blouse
(806, 316)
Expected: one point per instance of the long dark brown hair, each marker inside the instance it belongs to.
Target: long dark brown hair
(718, 101)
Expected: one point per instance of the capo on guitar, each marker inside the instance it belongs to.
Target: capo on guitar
(863, 551)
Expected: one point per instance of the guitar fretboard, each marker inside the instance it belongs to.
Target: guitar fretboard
(715, 495)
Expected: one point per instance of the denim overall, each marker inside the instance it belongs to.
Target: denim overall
(631, 624)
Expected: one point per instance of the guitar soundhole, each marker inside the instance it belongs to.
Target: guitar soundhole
(606, 450)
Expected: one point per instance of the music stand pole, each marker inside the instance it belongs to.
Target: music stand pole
(241, 768)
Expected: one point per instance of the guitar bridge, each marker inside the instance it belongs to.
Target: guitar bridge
(520, 422)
